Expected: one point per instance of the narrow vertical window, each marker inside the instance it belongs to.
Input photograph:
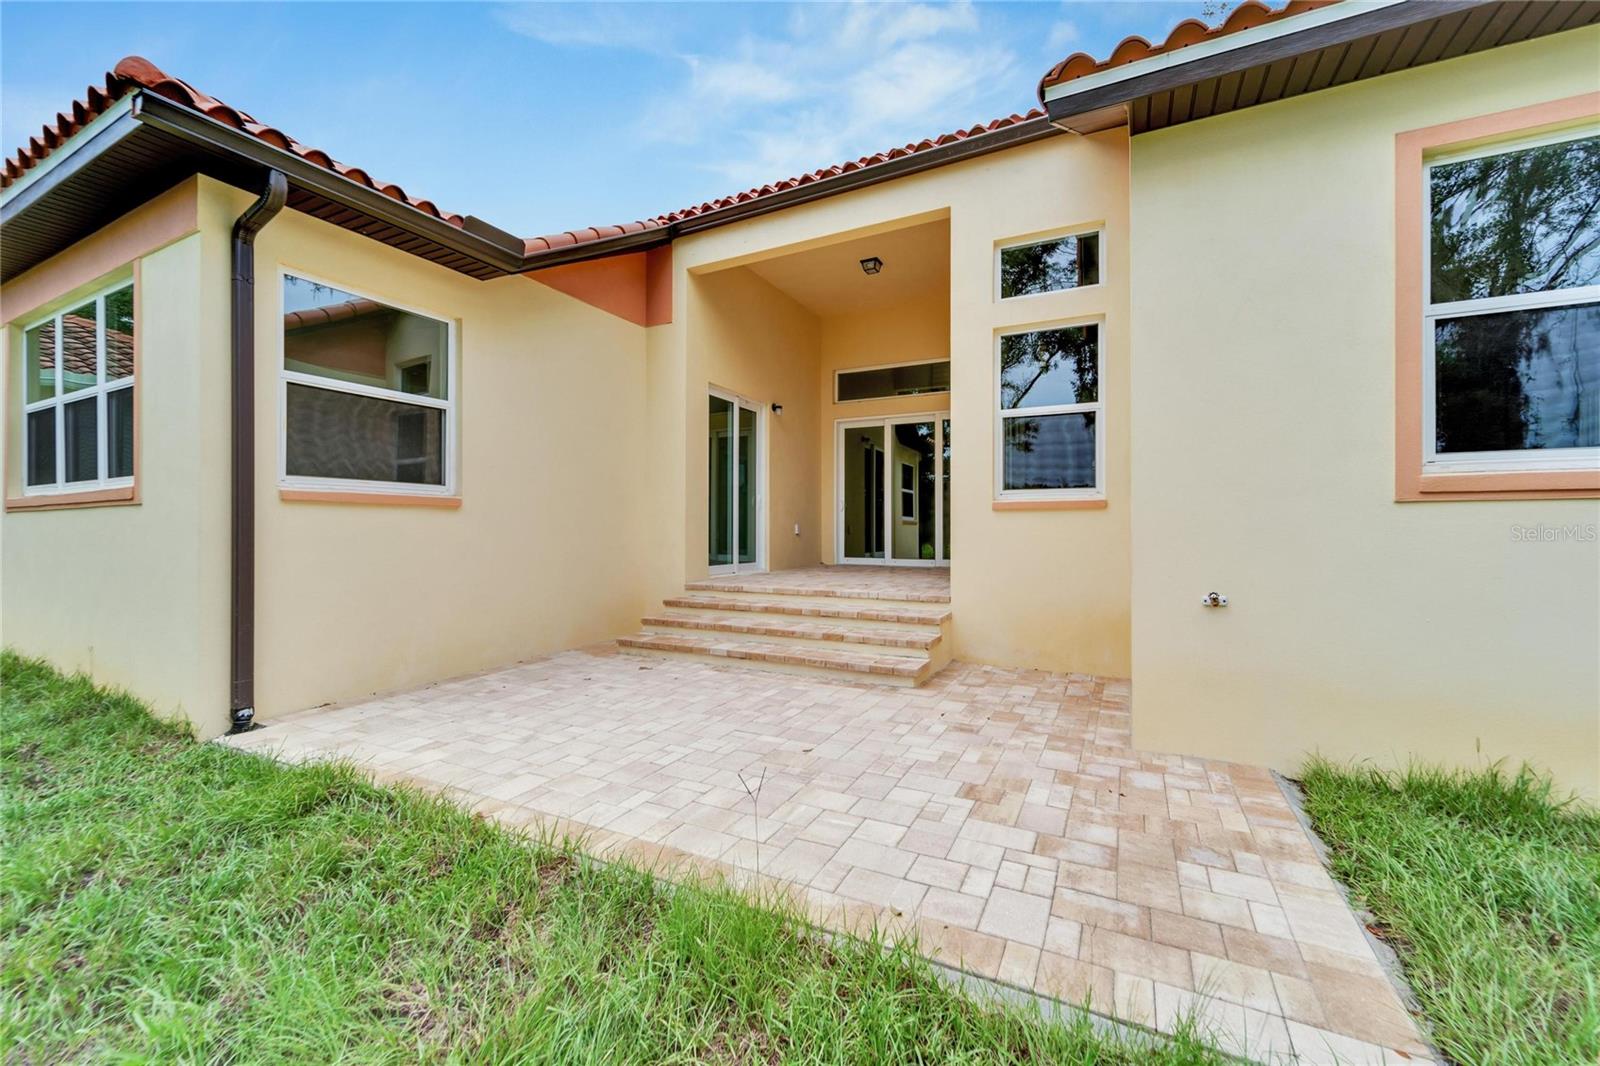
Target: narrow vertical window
(1049, 414)
(77, 396)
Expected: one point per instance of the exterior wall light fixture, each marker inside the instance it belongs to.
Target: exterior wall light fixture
(871, 265)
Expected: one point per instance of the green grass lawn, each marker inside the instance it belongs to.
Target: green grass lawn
(1490, 892)
(163, 900)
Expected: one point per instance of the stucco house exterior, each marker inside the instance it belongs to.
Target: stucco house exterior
(1302, 310)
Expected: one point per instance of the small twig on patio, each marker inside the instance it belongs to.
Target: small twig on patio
(755, 809)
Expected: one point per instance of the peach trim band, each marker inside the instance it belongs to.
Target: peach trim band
(173, 214)
(1048, 505)
(380, 499)
(1410, 483)
(60, 501)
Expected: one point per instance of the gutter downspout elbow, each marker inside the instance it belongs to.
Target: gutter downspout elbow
(242, 680)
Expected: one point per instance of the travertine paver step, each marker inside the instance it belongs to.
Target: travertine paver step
(786, 629)
(887, 669)
(906, 614)
(766, 585)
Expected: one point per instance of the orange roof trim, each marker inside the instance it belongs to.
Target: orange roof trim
(1246, 16)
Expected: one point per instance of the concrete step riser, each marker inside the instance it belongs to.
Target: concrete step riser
(820, 612)
(659, 624)
(846, 676)
(698, 588)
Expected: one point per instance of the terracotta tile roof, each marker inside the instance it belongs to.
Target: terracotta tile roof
(1246, 16)
(78, 355)
(136, 72)
(535, 245)
(328, 314)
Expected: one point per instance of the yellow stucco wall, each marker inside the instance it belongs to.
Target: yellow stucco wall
(549, 545)
(1263, 460)
(746, 337)
(1045, 589)
(136, 595)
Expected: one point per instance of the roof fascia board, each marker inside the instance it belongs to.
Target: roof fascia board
(1337, 24)
(179, 121)
(89, 139)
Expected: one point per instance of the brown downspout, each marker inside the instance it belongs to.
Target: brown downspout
(242, 676)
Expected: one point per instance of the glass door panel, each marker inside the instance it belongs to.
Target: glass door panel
(862, 457)
(912, 471)
(746, 502)
(719, 482)
(894, 492)
(944, 477)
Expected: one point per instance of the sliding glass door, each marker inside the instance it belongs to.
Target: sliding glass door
(893, 478)
(733, 486)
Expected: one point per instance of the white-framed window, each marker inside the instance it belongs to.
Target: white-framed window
(1037, 265)
(891, 379)
(77, 395)
(368, 389)
(908, 492)
(1049, 437)
(1511, 305)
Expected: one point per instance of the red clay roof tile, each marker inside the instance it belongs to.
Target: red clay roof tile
(1246, 16)
(135, 72)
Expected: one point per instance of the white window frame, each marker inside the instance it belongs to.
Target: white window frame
(1023, 242)
(840, 372)
(1505, 460)
(98, 392)
(449, 405)
(1097, 492)
(908, 493)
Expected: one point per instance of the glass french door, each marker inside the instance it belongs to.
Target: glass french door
(893, 480)
(733, 484)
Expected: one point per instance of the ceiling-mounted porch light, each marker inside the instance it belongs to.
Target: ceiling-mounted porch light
(871, 265)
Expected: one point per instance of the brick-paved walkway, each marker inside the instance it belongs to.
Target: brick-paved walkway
(999, 814)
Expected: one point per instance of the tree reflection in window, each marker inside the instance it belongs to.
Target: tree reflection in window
(1050, 367)
(1516, 222)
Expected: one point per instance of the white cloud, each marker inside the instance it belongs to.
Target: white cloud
(834, 82)
(1063, 35)
(633, 27)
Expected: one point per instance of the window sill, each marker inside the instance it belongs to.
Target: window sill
(379, 499)
(1504, 485)
(61, 501)
(1082, 504)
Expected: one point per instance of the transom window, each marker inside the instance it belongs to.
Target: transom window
(1049, 418)
(1512, 311)
(78, 381)
(1051, 265)
(900, 379)
(368, 393)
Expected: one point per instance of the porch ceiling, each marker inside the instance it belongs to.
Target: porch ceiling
(829, 280)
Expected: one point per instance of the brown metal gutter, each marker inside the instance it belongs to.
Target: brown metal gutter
(242, 674)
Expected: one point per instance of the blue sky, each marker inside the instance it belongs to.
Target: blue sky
(542, 117)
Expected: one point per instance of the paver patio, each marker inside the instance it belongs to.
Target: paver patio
(1000, 815)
